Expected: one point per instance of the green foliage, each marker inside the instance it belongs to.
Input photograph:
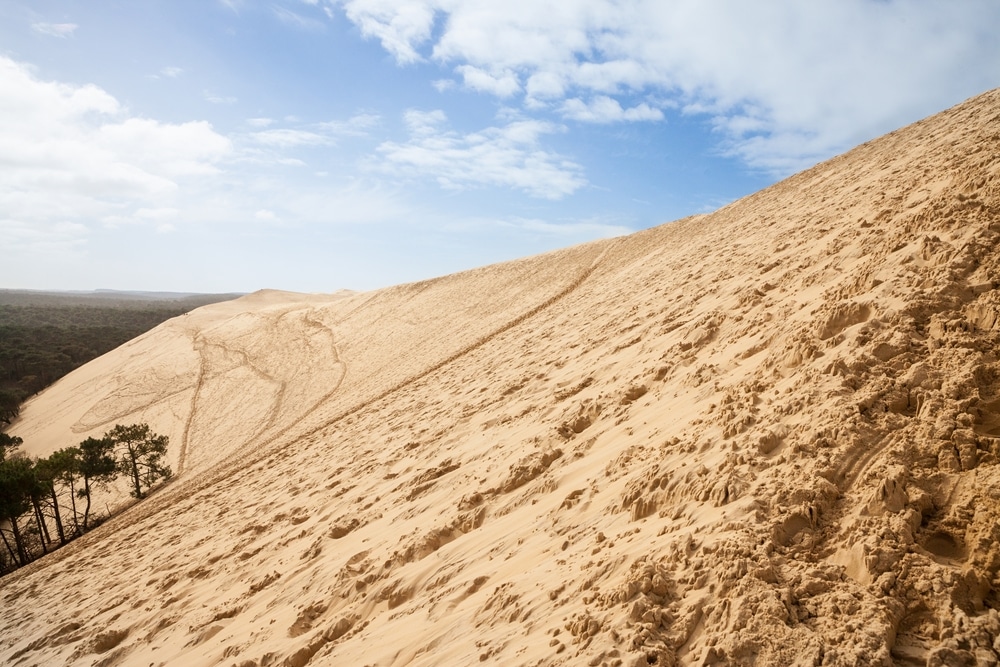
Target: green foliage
(7, 444)
(10, 406)
(17, 483)
(50, 473)
(30, 490)
(140, 455)
(64, 465)
(96, 459)
(16, 480)
(97, 465)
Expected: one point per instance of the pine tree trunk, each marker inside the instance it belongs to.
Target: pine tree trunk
(76, 515)
(55, 509)
(22, 553)
(86, 512)
(43, 529)
(134, 456)
(13, 554)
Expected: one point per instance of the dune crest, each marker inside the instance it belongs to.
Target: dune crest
(768, 435)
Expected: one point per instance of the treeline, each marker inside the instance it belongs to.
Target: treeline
(44, 336)
(47, 502)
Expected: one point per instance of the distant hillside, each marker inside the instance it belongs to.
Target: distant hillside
(44, 335)
(110, 298)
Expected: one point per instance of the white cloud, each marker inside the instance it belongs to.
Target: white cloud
(423, 123)
(171, 72)
(55, 29)
(604, 109)
(546, 85)
(401, 27)
(260, 122)
(169, 150)
(785, 83)
(504, 84)
(507, 156)
(442, 85)
(288, 138)
(71, 154)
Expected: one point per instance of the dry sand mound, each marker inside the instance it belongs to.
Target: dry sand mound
(766, 436)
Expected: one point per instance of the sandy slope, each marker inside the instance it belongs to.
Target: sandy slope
(769, 435)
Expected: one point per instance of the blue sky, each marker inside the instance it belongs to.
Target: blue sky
(314, 145)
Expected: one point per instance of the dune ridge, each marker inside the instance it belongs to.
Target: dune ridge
(766, 435)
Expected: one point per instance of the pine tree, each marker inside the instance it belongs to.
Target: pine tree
(17, 476)
(140, 455)
(97, 465)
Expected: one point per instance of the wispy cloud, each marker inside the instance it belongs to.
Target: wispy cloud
(288, 138)
(168, 72)
(401, 27)
(442, 85)
(589, 229)
(297, 20)
(355, 126)
(604, 109)
(509, 156)
(783, 83)
(326, 133)
(220, 99)
(55, 29)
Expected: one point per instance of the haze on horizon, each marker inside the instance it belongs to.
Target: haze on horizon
(314, 145)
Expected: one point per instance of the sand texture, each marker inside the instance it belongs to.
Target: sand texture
(765, 436)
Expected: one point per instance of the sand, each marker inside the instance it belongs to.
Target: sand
(765, 436)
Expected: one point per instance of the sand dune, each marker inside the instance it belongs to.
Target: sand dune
(765, 436)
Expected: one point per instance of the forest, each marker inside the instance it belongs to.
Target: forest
(45, 335)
